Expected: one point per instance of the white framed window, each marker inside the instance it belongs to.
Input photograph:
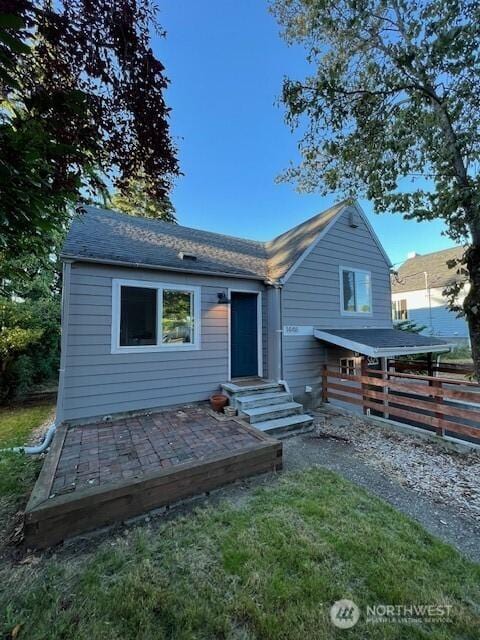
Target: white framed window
(399, 309)
(347, 367)
(154, 316)
(355, 291)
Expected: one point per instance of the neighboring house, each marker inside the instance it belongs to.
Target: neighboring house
(157, 314)
(417, 294)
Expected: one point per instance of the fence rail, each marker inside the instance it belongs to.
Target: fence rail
(431, 367)
(447, 406)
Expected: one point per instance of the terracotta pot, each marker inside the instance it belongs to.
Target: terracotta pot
(218, 401)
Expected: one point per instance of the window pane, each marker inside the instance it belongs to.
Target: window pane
(362, 292)
(138, 316)
(177, 317)
(348, 291)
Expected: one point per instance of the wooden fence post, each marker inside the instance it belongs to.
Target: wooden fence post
(429, 364)
(438, 383)
(385, 390)
(364, 372)
(325, 383)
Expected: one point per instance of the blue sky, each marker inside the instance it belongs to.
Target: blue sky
(226, 61)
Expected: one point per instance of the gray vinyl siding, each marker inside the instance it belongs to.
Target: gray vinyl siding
(99, 383)
(311, 297)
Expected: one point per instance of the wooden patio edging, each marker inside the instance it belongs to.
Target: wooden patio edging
(379, 391)
(49, 520)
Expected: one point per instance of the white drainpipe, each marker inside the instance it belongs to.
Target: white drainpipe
(39, 448)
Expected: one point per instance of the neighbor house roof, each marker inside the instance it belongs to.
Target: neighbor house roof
(381, 343)
(411, 275)
(103, 235)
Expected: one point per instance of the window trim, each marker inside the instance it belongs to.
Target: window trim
(347, 366)
(395, 309)
(118, 283)
(361, 314)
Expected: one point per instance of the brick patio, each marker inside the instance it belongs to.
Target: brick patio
(100, 453)
(100, 474)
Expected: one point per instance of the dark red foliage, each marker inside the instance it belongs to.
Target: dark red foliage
(98, 90)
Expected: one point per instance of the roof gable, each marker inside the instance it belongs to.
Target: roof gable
(287, 250)
(303, 239)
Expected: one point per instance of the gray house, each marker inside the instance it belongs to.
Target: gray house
(156, 314)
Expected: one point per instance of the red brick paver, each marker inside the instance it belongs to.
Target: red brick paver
(96, 454)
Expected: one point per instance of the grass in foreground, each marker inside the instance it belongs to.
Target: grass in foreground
(18, 422)
(268, 569)
(18, 472)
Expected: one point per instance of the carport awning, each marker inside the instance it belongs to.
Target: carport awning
(381, 343)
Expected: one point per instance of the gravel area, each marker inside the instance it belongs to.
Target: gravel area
(445, 475)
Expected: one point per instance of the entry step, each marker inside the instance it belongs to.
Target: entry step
(297, 422)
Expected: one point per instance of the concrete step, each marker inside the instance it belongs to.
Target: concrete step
(263, 399)
(271, 412)
(300, 422)
(239, 391)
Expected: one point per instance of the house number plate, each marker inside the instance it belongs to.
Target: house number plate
(297, 330)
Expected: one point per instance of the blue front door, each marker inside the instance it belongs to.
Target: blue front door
(244, 335)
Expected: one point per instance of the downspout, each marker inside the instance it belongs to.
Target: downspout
(280, 302)
(281, 378)
(43, 446)
(67, 268)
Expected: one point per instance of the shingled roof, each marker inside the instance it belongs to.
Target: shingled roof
(411, 275)
(286, 249)
(103, 235)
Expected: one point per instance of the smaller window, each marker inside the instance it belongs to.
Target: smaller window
(356, 291)
(177, 318)
(347, 367)
(399, 310)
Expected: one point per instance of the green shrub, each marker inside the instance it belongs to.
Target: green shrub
(29, 344)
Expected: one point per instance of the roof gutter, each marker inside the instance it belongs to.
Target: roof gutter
(141, 265)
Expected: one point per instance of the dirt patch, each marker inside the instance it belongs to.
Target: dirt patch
(430, 468)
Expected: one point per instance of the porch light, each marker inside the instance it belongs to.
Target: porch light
(222, 298)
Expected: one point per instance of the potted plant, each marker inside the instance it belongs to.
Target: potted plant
(218, 401)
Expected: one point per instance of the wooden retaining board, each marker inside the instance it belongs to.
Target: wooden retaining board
(49, 521)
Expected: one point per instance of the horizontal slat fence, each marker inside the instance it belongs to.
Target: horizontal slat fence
(431, 367)
(446, 406)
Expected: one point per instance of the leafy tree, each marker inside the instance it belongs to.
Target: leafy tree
(392, 112)
(29, 323)
(29, 344)
(137, 201)
(82, 101)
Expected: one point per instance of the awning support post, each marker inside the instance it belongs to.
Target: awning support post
(325, 383)
(384, 367)
(364, 372)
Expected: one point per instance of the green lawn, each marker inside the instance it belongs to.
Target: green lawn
(17, 471)
(268, 568)
(17, 423)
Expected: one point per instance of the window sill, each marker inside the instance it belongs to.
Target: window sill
(357, 314)
(155, 349)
